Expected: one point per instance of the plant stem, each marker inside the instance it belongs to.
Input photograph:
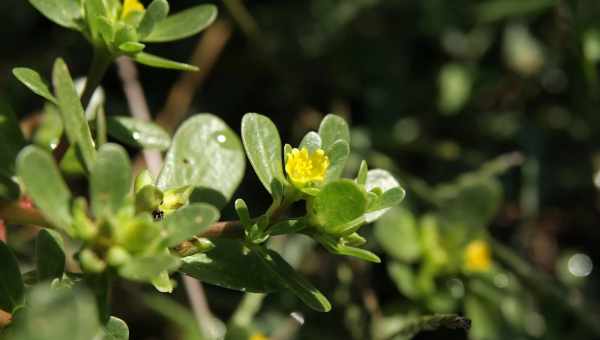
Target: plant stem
(545, 285)
(100, 63)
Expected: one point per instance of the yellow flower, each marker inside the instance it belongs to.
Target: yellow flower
(258, 336)
(478, 256)
(131, 6)
(303, 167)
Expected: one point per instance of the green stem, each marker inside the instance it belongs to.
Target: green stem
(100, 63)
(546, 286)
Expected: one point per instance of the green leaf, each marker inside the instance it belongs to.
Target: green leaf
(115, 329)
(338, 154)
(311, 141)
(163, 283)
(231, 265)
(131, 47)
(9, 190)
(332, 129)
(397, 234)
(50, 255)
(11, 139)
(404, 278)
(138, 133)
(65, 13)
(189, 221)
(203, 150)
(156, 61)
(176, 313)
(45, 186)
(388, 199)
(361, 178)
(287, 227)
(110, 180)
(183, 24)
(292, 280)
(34, 82)
(383, 180)
(338, 205)
(50, 130)
(146, 268)
(494, 10)
(95, 10)
(57, 314)
(263, 148)
(154, 14)
(334, 246)
(72, 113)
(11, 285)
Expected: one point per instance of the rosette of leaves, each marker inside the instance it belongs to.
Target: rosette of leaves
(115, 28)
(335, 207)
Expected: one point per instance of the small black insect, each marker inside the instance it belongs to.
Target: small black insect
(158, 215)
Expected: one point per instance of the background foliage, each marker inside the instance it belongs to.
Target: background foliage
(433, 89)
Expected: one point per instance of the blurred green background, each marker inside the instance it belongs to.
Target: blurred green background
(435, 90)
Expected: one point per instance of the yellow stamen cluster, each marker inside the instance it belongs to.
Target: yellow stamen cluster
(258, 336)
(131, 6)
(303, 167)
(478, 256)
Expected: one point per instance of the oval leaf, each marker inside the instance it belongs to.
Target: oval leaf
(337, 205)
(110, 180)
(34, 82)
(138, 133)
(204, 149)
(155, 13)
(231, 265)
(263, 148)
(186, 222)
(146, 268)
(45, 186)
(11, 285)
(397, 234)
(311, 141)
(332, 129)
(50, 255)
(183, 24)
(378, 178)
(72, 113)
(62, 12)
(115, 329)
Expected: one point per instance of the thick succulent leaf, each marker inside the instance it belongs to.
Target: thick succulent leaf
(183, 24)
(146, 268)
(65, 13)
(203, 150)
(110, 180)
(115, 329)
(263, 148)
(231, 265)
(138, 133)
(338, 154)
(45, 186)
(378, 178)
(337, 205)
(50, 255)
(311, 141)
(55, 314)
(11, 285)
(72, 113)
(333, 245)
(191, 220)
(11, 139)
(290, 279)
(156, 12)
(332, 129)
(160, 62)
(397, 234)
(34, 82)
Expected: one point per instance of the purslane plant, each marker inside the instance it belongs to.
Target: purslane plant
(145, 228)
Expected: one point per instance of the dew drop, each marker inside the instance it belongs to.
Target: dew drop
(221, 138)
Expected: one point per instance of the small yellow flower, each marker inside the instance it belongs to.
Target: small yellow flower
(303, 167)
(478, 256)
(258, 336)
(131, 6)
